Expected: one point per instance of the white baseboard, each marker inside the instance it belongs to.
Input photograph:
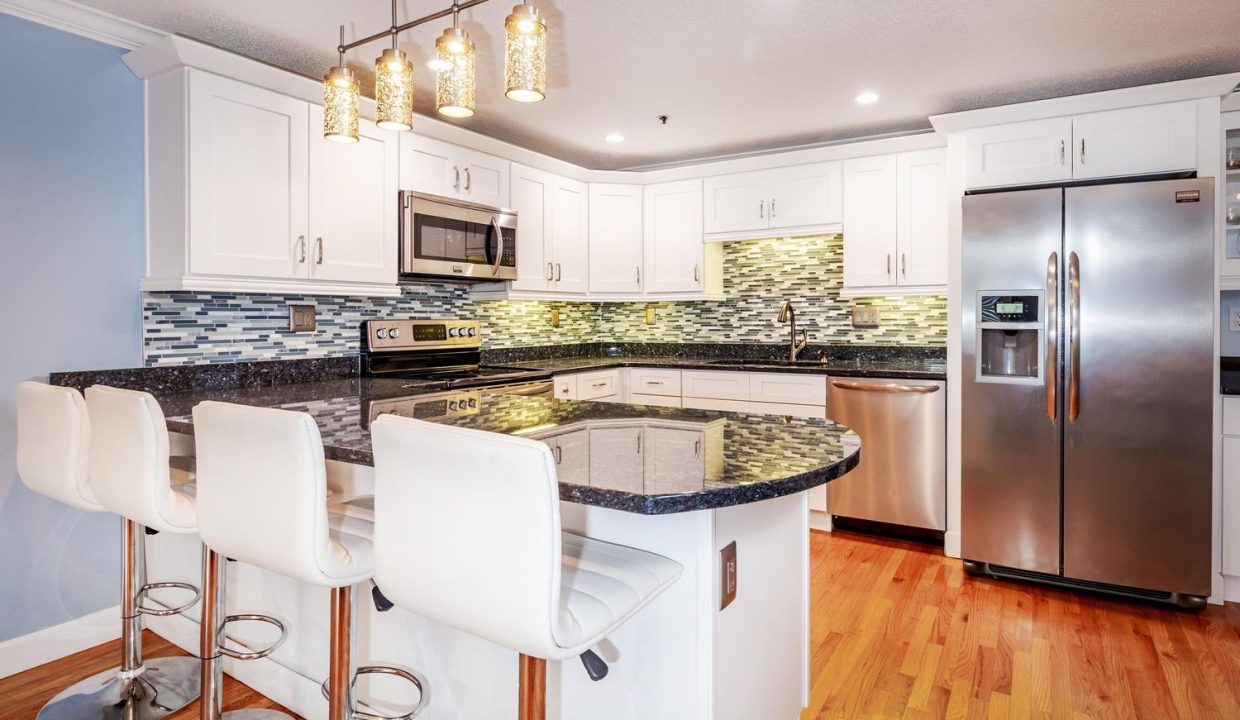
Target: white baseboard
(53, 643)
(951, 543)
(1231, 589)
(820, 521)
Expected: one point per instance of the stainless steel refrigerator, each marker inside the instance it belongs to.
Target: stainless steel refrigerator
(1086, 395)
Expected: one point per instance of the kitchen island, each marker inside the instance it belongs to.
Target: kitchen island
(687, 484)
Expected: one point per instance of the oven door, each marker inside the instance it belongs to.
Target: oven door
(448, 238)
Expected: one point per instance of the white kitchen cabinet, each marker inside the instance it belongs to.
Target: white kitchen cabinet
(698, 403)
(1135, 141)
(565, 387)
(716, 384)
(615, 452)
(674, 459)
(571, 451)
(895, 223)
(675, 256)
(1131, 141)
(653, 381)
(353, 241)
(788, 388)
(654, 400)
(600, 385)
(439, 168)
(552, 231)
(241, 187)
(870, 222)
(799, 199)
(615, 238)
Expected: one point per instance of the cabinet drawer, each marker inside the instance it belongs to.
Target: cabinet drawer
(654, 400)
(1231, 416)
(566, 387)
(715, 404)
(717, 385)
(591, 386)
(788, 388)
(653, 381)
(790, 409)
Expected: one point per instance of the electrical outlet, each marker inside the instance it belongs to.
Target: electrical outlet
(301, 318)
(649, 315)
(1234, 315)
(864, 317)
(555, 317)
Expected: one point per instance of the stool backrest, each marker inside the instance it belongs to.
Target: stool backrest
(262, 487)
(129, 469)
(53, 443)
(467, 530)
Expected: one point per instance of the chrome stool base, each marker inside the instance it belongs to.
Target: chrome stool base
(166, 685)
(371, 713)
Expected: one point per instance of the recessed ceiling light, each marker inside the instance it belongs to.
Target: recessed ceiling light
(615, 138)
(867, 98)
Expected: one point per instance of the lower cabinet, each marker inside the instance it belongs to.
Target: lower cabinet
(571, 451)
(602, 385)
(1231, 487)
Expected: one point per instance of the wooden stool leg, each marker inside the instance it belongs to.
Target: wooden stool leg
(532, 701)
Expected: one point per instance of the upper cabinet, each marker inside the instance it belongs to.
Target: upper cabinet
(800, 199)
(439, 168)
(675, 258)
(552, 232)
(615, 238)
(895, 223)
(244, 194)
(1131, 141)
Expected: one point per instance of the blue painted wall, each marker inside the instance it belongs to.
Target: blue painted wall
(71, 255)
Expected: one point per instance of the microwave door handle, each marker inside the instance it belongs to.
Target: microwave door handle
(499, 243)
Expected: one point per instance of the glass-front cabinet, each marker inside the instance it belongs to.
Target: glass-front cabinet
(1231, 201)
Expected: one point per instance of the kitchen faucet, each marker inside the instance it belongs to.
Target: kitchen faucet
(788, 315)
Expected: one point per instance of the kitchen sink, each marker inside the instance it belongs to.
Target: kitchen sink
(780, 362)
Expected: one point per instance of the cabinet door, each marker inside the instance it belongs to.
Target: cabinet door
(595, 385)
(1019, 153)
(805, 195)
(616, 458)
(674, 460)
(429, 166)
(1135, 141)
(248, 180)
(735, 203)
(673, 237)
(531, 197)
(921, 217)
(1231, 506)
(353, 240)
(719, 385)
(870, 222)
(793, 388)
(615, 238)
(484, 178)
(566, 387)
(571, 451)
(569, 237)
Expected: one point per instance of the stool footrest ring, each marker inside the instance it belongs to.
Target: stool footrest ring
(256, 654)
(412, 676)
(164, 612)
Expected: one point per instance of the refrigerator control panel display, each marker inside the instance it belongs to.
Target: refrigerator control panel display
(1010, 308)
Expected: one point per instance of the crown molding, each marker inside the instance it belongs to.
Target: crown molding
(84, 21)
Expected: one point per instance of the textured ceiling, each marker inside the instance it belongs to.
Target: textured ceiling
(737, 77)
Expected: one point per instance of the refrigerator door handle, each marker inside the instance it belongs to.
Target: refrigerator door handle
(1052, 337)
(1074, 337)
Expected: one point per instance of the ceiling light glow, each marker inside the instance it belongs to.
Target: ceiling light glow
(615, 138)
(867, 98)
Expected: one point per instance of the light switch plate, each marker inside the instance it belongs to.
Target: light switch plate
(301, 318)
(864, 317)
(727, 575)
(1234, 315)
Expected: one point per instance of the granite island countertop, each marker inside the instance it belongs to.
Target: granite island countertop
(903, 369)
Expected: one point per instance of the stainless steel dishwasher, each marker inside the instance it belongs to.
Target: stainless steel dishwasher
(902, 476)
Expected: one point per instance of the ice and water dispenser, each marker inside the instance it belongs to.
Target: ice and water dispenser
(1010, 338)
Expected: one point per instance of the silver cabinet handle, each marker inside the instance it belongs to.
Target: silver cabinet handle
(599, 384)
(318, 245)
(550, 271)
(863, 387)
(1074, 337)
(639, 443)
(762, 209)
(697, 448)
(499, 238)
(1052, 337)
(639, 276)
(456, 178)
(564, 390)
(301, 240)
(654, 382)
(772, 208)
(888, 264)
(697, 275)
(559, 455)
(903, 266)
(1082, 151)
(557, 272)
(468, 179)
(1061, 149)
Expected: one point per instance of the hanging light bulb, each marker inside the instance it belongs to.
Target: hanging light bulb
(340, 92)
(393, 86)
(454, 76)
(525, 55)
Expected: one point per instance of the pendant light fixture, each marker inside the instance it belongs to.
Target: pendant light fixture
(340, 93)
(393, 86)
(525, 55)
(455, 70)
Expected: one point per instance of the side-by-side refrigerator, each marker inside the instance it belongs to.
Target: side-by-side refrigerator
(1087, 395)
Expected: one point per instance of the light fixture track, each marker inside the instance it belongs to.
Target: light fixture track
(397, 29)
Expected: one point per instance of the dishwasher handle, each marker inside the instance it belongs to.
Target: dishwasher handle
(865, 387)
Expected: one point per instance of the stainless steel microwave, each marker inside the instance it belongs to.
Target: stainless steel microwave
(447, 238)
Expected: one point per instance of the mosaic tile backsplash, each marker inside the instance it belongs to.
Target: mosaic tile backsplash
(182, 328)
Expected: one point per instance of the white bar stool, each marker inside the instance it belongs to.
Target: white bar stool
(251, 461)
(58, 457)
(501, 569)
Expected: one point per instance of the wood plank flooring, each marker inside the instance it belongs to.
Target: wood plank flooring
(899, 631)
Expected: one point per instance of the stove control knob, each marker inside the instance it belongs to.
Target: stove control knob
(451, 332)
(381, 333)
(451, 404)
(473, 332)
(473, 403)
(394, 333)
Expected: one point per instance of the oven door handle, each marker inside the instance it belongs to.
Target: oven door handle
(499, 242)
(533, 389)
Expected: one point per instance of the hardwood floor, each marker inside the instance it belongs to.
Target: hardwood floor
(24, 693)
(898, 631)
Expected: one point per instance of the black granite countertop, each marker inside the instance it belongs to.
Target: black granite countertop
(904, 369)
(1229, 375)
